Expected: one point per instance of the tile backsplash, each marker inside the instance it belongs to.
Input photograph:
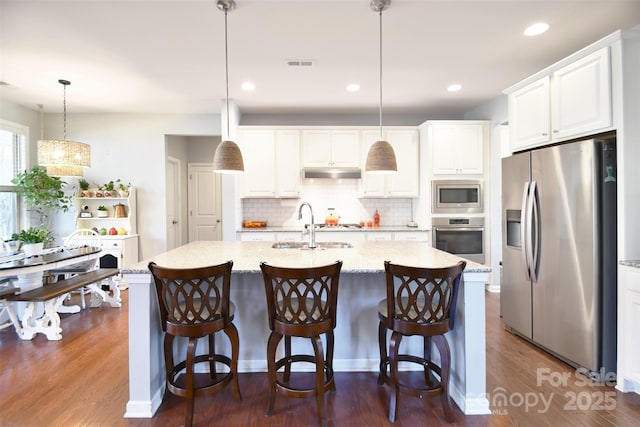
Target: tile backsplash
(323, 194)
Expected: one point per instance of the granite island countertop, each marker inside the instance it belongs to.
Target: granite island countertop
(363, 257)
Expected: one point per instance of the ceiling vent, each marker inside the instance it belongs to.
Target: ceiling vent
(305, 63)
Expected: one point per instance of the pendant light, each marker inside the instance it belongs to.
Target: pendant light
(381, 158)
(62, 157)
(228, 158)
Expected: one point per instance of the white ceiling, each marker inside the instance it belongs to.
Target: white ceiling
(167, 56)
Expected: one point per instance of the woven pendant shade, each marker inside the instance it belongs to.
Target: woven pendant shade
(381, 158)
(63, 158)
(228, 158)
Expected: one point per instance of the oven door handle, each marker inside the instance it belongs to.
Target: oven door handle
(458, 228)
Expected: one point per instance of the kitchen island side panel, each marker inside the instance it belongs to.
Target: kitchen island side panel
(356, 347)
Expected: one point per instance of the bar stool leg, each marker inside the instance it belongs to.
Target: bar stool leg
(329, 359)
(427, 358)
(191, 351)
(212, 360)
(394, 347)
(319, 356)
(287, 355)
(232, 332)
(272, 345)
(384, 359)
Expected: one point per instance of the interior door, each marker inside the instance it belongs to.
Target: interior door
(174, 238)
(205, 204)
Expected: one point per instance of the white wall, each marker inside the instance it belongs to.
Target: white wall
(497, 111)
(132, 147)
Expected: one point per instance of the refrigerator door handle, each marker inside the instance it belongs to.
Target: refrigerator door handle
(524, 221)
(535, 246)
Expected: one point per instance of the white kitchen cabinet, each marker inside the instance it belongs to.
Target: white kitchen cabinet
(406, 181)
(334, 148)
(257, 236)
(288, 163)
(123, 248)
(572, 101)
(271, 162)
(457, 147)
(411, 236)
(629, 329)
(379, 236)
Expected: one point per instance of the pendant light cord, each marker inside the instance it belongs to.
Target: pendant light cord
(380, 109)
(226, 62)
(64, 112)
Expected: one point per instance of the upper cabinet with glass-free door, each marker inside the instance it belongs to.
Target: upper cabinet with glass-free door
(406, 181)
(271, 162)
(572, 101)
(457, 146)
(330, 148)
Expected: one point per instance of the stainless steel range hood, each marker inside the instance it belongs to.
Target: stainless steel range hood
(335, 173)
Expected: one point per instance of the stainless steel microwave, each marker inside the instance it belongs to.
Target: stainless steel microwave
(456, 196)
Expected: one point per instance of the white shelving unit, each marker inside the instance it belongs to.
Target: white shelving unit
(123, 247)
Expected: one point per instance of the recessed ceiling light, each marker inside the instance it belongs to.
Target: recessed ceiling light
(353, 87)
(248, 86)
(537, 28)
(454, 87)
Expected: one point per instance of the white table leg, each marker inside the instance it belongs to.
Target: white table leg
(101, 296)
(48, 323)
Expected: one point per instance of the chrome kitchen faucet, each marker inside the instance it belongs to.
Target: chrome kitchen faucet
(312, 227)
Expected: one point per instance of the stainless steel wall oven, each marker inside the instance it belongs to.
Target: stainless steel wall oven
(460, 236)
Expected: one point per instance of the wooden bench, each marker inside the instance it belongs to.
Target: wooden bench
(7, 314)
(53, 295)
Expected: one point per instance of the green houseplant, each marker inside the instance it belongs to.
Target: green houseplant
(42, 193)
(33, 239)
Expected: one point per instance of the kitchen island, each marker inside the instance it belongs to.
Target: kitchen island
(362, 286)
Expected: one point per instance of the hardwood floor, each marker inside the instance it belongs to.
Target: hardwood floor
(82, 380)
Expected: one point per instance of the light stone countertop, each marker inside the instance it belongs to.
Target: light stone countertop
(363, 257)
(389, 228)
(631, 263)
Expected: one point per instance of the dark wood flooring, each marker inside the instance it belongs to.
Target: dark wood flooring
(82, 380)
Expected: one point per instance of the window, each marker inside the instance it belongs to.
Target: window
(13, 155)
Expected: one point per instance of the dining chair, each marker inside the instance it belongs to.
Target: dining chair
(82, 237)
(420, 302)
(194, 303)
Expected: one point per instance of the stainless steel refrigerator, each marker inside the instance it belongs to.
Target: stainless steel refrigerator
(559, 274)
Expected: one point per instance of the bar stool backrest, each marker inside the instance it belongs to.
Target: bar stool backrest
(193, 302)
(422, 298)
(301, 296)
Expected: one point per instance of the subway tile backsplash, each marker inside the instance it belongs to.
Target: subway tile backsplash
(323, 194)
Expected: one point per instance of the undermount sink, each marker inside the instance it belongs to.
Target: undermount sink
(305, 245)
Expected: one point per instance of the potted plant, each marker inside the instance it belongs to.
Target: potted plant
(102, 211)
(109, 189)
(33, 239)
(123, 189)
(84, 187)
(42, 193)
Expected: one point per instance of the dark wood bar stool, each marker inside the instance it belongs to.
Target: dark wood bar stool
(195, 303)
(420, 301)
(301, 302)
